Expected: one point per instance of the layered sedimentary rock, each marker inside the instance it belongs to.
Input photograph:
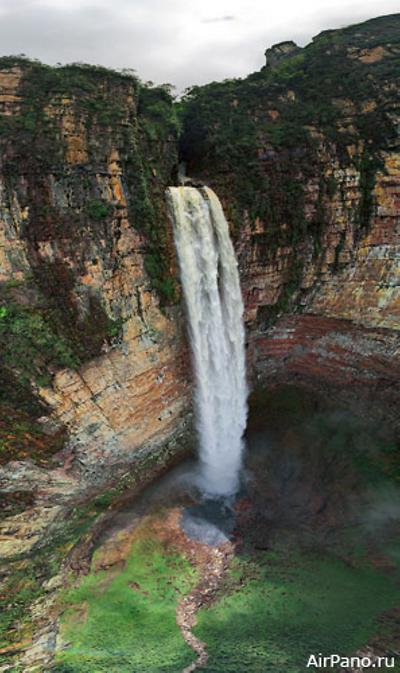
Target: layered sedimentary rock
(94, 366)
(312, 189)
(92, 338)
(305, 158)
(343, 335)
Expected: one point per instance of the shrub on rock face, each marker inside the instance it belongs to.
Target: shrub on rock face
(97, 210)
(29, 341)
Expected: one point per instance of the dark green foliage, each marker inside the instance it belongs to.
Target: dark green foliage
(156, 145)
(17, 391)
(114, 327)
(367, 166)
(29, 342)
(140, 205)
(157, 115)
(97, 210)
(338, 250)
(283, 605)
(162, 281)
(33, 344)
(85, 332)
(21, 436)
(331, 186)
(36, 339)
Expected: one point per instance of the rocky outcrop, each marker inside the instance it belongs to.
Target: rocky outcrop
(354, 277)
(344, 334)
(279, 52)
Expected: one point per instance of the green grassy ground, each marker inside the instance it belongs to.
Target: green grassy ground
(127, 622)
(276, 611)
(275, 608)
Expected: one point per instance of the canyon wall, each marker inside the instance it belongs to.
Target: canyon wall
(93, 361)
(306, 157)
(94, 364)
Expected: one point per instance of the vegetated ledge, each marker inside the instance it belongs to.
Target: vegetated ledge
(53, 540)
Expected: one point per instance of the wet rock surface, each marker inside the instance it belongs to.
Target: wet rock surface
(211, 522)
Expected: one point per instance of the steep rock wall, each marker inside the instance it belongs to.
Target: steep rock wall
(344, 333)
(305, 155)
(93, 347)
(94, 366)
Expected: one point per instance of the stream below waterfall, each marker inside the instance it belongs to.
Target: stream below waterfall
(304, 560)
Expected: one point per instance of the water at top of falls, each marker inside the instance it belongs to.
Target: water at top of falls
(214, 304)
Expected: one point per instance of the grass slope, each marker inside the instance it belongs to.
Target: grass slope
(284, 606)
(128, 621)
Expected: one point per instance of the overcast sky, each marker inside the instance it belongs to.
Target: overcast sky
(183, 42)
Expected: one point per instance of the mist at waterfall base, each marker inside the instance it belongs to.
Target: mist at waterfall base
(214, 308)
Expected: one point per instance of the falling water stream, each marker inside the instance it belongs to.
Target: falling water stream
(211, 287)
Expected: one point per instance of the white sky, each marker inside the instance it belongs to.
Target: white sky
(183, 42)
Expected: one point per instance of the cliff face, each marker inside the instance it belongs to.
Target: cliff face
(94, 365)
(305, 155)
(93, 361)
(342, 332)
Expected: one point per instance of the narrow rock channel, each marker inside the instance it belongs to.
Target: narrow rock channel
(213, 568)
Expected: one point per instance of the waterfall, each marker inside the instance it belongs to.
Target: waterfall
(213, 298)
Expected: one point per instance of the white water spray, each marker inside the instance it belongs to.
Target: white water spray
(214, 305)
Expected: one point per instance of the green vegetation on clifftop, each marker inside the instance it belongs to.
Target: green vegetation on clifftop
(265, 142)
